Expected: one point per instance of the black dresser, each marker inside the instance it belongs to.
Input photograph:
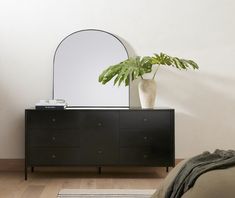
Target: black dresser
(99, 137)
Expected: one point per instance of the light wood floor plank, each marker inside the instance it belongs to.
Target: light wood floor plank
(33, 191)
(104, 183)
(52, 188)
(88, 183)
(47, 184)
(72, 183)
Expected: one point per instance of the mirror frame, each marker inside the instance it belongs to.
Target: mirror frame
(53, 84)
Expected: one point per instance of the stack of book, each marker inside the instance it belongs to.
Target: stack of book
(51, 104)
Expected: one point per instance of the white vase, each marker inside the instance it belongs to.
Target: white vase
(147, 93)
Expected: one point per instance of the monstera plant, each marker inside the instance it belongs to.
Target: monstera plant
(135, 67)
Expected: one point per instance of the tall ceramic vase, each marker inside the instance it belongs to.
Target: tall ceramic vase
(147, 93)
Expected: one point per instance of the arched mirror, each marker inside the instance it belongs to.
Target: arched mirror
(78, 61)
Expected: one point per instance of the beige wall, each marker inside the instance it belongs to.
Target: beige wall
(200, 29)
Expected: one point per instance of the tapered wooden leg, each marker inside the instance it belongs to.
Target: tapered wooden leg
(167, 169)
(32, 169)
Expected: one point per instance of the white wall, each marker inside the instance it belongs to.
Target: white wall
(199, 29)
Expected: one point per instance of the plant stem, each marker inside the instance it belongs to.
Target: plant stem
(156, 71)
(142, 77)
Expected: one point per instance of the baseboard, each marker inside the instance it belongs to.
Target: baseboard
(12, 164)
(18, 165)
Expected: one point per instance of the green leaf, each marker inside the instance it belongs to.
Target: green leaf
(134, 67)
(164, 59)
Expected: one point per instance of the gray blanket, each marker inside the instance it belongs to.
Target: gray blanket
(195, 167)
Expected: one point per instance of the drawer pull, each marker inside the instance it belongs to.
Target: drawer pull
(53, 156)
(100, 152)
(53, 138)
(53, 119)
(145, 138)
(145, 156)
(99, 124)
(145, 119)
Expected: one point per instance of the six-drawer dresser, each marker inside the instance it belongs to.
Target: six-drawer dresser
(99, 137)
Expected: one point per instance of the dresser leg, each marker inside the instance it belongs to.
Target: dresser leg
(99, 170)
(167, 169)
(25, 173)
(25, 169)
(32, 169)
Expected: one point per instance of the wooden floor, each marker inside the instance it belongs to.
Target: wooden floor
(46, 184)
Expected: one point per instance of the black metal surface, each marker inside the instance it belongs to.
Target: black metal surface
(99, 138)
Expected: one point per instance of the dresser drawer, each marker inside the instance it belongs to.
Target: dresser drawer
(144, 137)
(147, 156)
(54, 156)
(99, 137)
(53, 119)
(100, 146)
(99, 119)
(54, 138)
(100, 156)
(145, 119)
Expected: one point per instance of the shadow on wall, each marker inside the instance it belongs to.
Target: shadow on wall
(11, 124)
(204, 104)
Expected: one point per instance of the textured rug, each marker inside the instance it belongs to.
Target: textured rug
(105, 193)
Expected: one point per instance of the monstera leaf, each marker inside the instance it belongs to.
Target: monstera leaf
(130, 68)
(164, 59)
(135, 67)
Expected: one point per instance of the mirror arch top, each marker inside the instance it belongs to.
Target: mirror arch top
(79, 60)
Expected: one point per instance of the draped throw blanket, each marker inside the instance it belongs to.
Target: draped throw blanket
(197, 166)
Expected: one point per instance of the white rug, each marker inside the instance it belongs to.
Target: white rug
(105, 193)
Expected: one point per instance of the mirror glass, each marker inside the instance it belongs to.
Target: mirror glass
(79, 60)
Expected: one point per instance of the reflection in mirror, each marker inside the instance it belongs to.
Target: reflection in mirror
(78, 61)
